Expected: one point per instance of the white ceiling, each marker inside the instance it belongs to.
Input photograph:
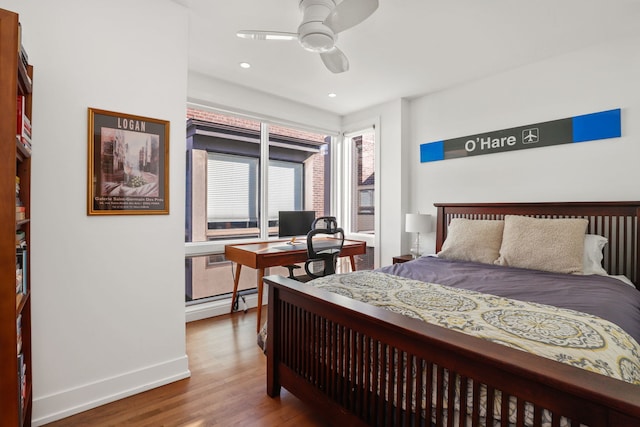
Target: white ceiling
(406, 48)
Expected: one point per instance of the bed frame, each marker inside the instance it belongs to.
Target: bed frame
(351, 360)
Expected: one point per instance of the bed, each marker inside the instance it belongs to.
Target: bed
(362, 364)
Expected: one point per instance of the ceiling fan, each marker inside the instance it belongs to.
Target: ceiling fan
(322, 20)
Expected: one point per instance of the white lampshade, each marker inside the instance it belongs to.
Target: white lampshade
(418, 223)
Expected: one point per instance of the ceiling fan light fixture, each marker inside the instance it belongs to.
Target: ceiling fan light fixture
(317, 42)
(316, 37)
(281, 37)
(266, 35)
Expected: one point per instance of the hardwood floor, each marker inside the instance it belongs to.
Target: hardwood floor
(227, 387)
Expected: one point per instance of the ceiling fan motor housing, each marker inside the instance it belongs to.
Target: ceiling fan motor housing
(313, 35)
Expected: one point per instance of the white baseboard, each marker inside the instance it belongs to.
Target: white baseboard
(221, 307)
(47, 409)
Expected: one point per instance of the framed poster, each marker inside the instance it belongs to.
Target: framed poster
(128, 164)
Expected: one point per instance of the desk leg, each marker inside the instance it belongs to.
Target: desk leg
(353, 263)
(236, 280)
(259, 305)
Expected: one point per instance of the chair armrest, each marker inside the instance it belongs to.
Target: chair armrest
(291, 268)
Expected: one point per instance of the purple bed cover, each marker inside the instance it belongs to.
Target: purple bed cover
(606, 297)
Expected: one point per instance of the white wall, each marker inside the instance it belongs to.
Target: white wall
(599, 78)
(108, 292)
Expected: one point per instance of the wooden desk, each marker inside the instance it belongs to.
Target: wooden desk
(262, 255)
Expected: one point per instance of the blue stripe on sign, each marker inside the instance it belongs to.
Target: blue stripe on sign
(602, 125)
(431, 151)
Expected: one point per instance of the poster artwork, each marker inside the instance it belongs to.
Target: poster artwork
(128, 164)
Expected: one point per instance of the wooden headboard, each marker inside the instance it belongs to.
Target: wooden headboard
(617, 221)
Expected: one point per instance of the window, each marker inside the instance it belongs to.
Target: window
(228, 202)
(366, 203)
(363, 168)
(358, 198)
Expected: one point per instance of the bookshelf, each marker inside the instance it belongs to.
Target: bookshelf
(15, 185)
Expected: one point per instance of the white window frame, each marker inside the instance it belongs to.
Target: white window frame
(343, 184)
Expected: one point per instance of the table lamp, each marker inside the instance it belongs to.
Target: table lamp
(417, 223)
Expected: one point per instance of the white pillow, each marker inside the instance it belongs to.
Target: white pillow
(592, 257)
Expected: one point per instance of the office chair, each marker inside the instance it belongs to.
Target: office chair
(324, 243)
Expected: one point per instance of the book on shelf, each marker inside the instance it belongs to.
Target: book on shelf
(18, 271)
(19, 332)
(26, 146)
(18, 279)
(23, 56)
(25, 288)
(26, 142)
(21, 269)
(26, 129)
(20, 208)
(22, 381)
(21, 213)
(23, 123)
(21, 105)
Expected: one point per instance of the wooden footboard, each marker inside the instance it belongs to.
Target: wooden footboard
(363, 365)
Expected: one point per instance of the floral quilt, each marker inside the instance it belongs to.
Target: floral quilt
(567, 336)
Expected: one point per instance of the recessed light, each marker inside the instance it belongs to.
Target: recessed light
(332, 95)
(245, 65)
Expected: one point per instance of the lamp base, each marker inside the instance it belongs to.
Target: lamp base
(415, 247)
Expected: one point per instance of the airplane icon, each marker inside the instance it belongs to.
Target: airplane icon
(530, 136)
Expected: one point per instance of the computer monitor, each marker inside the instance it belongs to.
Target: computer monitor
(295, 223)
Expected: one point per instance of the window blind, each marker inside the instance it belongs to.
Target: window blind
(231, 187)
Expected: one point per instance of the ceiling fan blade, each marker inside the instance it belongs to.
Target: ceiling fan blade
(335, 60)
(266, 35)
(350, 13)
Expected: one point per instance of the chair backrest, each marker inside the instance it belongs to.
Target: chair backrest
(325, 222)
(323, 246)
